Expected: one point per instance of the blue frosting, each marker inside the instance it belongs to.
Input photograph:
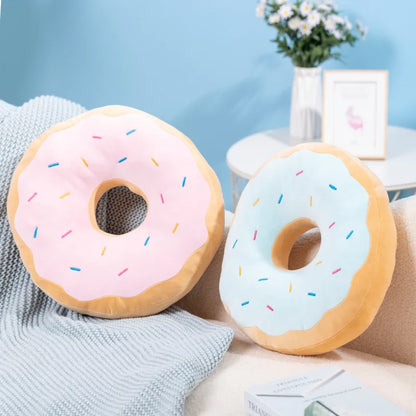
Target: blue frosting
(277, 300)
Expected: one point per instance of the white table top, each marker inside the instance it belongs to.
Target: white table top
(397, 172)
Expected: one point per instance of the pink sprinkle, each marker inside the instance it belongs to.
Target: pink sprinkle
(32, 197)
(269, 307)
(299, 173)
(336, 271)
(161, 197)
(123, 271)
(255, 235)
(96, 137)
(68, 232)
(332, 225)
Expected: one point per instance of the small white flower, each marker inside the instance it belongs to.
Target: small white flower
(260, 10)
(362, 29)
(274, 18)
(286, 11)
(337, 19)
(330, 24)
(347, 24)
(324, 8)
(280, 1)
(294, 23)
(314, 18)
(304, 28)
(338, 35)
(305, 8)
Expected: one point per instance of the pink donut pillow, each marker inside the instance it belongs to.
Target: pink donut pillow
(52, 212)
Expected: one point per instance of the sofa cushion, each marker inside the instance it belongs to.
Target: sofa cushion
(247, 364)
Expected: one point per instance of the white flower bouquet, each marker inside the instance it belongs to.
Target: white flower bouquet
(307, 32)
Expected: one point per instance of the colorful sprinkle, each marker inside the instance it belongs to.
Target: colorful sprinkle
(235, 242)
(299, 173)
(64, 195)
(333, 187)
(123, 271)
(349, 234)
(32, 197)
(263, 279)
(161, 198)
(245, 303)
(336, 271)
(310, 201)
(280, 199)
(35, 234)
(96, 137)
(75, 269)
(269, 307)
(130, 132)
(319, 262)
(311, 294)
(239, 271)
(290, 288)
(122, 160)
(154, 161)
(184, 181)
(257, 201)
(104, 249)
(255, 235)
(147, 240)
(175, 228)
(84, 161)
(52, 165)
(64, 235)
(332, 225)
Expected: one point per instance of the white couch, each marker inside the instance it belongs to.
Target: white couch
(384, 357)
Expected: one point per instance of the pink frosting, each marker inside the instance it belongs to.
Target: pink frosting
(67, 250)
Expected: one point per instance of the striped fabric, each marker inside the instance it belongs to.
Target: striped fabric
(57, 362)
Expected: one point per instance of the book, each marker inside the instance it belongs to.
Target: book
(329, 391)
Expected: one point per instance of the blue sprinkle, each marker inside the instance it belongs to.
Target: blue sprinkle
(147, 240)
(333, 187)
(122, 160)
(130, 132)
(262, 280)
(75, 269)
(350, 234)
(235, 242)
(52, 165)
(35, 234)
(245, 303)
(280, 199)
(311, 294)
(183, 182)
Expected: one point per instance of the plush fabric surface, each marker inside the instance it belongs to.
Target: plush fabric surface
(57, 362)
(391, 335)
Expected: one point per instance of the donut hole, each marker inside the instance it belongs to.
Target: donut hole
(119, 210)
(296, 245)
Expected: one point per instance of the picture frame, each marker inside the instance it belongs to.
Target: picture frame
(354, 112)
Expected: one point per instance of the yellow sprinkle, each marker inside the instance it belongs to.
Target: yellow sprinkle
(176, 227)
(104, 249)
(290, 288)
(64, 195)
(85, 162)
(239, 271)
(154, 161)
(257, 201)
(319, 262)
(311, 201)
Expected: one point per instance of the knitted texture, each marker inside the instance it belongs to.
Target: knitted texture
(57, 362)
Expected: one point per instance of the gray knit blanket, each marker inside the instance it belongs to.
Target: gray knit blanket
(57, 362)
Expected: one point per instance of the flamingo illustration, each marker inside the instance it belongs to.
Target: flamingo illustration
(354, 121)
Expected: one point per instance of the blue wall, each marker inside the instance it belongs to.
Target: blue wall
(207, 67)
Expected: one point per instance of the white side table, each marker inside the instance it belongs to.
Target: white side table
(397, 172)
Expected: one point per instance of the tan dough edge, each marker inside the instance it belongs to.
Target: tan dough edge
(355, 313)
(159, 296)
